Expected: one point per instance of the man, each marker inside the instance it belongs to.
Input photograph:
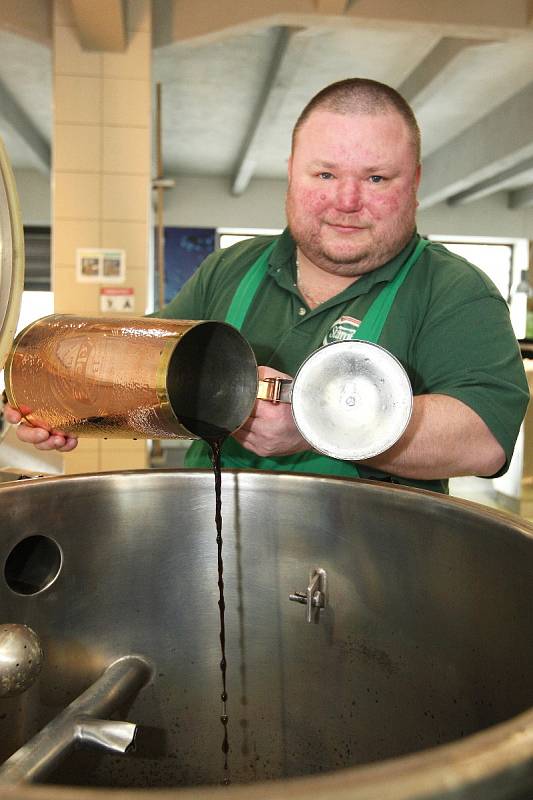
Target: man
(351, 239)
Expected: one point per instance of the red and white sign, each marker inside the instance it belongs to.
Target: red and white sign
(117, 298)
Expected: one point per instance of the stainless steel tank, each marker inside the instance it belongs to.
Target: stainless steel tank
(413, 679)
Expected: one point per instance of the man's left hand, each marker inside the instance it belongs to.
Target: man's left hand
(270, 429)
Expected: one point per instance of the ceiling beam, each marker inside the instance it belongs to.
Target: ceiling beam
(497, 142)
(332, 6)
(20, 123)
(420, 84)
(275, 85)
(27, 18)
(521, 198)
(208, 21)
(491, 185)
(101, 24)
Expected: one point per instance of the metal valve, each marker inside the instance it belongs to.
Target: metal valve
(316, 595)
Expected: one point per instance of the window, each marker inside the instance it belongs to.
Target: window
(34, 305)
(225, 237)
(36, 258)
(503, 260)
(37, 300)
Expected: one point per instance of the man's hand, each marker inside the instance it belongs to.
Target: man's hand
(39, 437)
(270, 429)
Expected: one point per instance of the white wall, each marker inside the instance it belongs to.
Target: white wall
(487, 217)
(207, 202)
(34, 192)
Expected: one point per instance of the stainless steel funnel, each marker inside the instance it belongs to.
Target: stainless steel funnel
(350, 400)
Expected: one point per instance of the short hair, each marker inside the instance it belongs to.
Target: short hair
(361, 96)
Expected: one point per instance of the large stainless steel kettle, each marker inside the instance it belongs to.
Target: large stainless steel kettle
(413, 680)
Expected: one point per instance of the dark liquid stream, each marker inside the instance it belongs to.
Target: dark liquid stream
(216, 445)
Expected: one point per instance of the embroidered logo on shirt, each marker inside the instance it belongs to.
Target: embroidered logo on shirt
(342, 329)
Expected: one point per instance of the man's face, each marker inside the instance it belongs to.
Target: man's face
(351, 199)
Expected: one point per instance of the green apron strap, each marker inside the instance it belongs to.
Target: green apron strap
(247, 289)
(372, 325)
(374, 320)
(233, 455)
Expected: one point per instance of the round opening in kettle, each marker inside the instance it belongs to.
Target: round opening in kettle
(33, 565)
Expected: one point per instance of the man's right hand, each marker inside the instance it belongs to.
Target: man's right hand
(39, 437)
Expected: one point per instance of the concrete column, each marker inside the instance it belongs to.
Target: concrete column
(101, 182)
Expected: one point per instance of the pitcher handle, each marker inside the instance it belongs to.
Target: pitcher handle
(276, 390)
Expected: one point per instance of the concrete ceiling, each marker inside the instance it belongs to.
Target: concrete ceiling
(234, 80)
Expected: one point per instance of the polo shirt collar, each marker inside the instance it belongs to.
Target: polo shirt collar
(282, 267)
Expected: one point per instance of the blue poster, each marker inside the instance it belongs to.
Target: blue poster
(185, 249)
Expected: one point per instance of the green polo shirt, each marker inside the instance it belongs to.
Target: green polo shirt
(449, 327)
